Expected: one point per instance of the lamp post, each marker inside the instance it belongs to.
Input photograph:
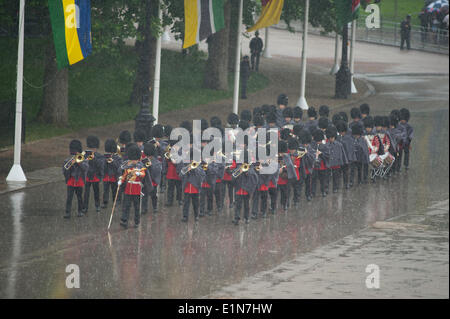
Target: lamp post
(343, 77)
(144, 120)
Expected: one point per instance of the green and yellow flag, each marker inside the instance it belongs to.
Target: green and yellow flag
(202, 18)
(270, 14)
(71, 25)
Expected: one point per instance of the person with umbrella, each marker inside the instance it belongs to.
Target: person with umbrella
(406, 33)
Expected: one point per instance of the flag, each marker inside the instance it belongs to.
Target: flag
(71, 26)
(270, 14)
(346, 11)
(202, 18)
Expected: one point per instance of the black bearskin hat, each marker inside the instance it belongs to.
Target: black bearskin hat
(396, 113)
(203, 124)
(125, 137)
(149, 149)
(287, 112)
(357, 130)
(282, 147)
(92, 142)
(133, 152)
(246, 115)
(282, 99)
(312, 112)
(292, 143)
(368, 122)
(271, 118)
(336, 118)
(378, 121)
(393, 120)
(244, 125)
(110, 146)
(215, 122)
(297, 112)
(364, 108)
(324, 111)
(404, 114)
(331, 132)
(305, 137)
(258, 121)
(265, 109)
(385, 121)
(233, 119)
(257, 111)
(341, 126)
(167, 130)
(186, 125)
(323, 123)
(344, 116)
(157, 131)
(139, 135)
(355, 113)
(318, 135)
(296, 130)
(75, 147)
(285, 134)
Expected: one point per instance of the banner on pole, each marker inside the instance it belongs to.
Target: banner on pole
(270, 14)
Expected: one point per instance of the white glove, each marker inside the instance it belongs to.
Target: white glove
(119, 183)
(138, 173)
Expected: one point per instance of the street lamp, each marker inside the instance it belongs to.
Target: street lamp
(343, 77)
(144, 120)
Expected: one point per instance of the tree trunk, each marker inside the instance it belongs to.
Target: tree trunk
(147, 53)
(55, 102)
(233, 35)
(216, 71)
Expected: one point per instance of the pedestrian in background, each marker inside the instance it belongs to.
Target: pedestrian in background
(256, 47)
(406, 33)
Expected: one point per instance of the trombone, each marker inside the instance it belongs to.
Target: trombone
(189, 167)
(78, 158)
(242, 169)
(167, 154)
(301, 152)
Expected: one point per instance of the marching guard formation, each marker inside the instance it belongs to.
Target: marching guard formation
(318, 151)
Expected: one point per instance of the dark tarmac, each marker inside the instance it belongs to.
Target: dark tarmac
(165, 258)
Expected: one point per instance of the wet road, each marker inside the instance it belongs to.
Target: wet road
(165, 258)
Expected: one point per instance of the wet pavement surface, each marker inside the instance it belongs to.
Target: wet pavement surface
(165, 258)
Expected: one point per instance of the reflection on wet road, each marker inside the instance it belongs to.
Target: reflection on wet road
(165, 258)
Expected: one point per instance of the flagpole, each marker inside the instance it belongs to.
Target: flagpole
(237, 72)
(16, 173)
(335, 68)
(266, 45)
(352, 56)
(302, 100)
(157, 71)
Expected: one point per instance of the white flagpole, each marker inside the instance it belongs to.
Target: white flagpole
(266, 45)
(237, 69)
(157, 72)
(16, 173)
(336, 66)
(302, 100)
(352, 56)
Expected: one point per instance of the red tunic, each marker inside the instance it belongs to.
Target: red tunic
(241, 191)
(322, 167)
(108, 178)
(190, 189)
(227, 176)
(93, 179)
(205, 185)
(297, 167)
(134, 187)
(73, 183)
(272, 185)
(218, 180)
(172, 171)
(282, 181)
(263, 188)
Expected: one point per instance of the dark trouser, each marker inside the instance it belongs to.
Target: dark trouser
(259, 197)
(336, 174)
(356, 166)
(87, 192)
(284, 192)
(70, 191)
(107, 186)
(127, 201)
(405, 150)
(206, 199)
(255, 202)
(218, 191)
(242, 199)
(187, 201)
(230, 186)
(322, 176)
(344, 169)
(162, 184)
(407, 39)
(172, 184)
(366, 172)
(255, 58)
(308, 185)
(273, 193)
(296, 189)
(244, 80)
(153, 194)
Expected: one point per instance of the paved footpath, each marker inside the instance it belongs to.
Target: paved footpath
(411, 252)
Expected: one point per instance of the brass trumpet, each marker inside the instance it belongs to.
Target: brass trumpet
(301, 152)
(205, 166)
(242, 169)
(167, 154)
(187, 168)
(78, 158)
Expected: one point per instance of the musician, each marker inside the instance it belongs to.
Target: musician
(132, 176)
(152, 178)
(347, 141)
(405, 144)
(312, 122)
(361, 154)
(295, 183)
(192, 181)
(124, 140)
(208, 186)
(338, 157)
(227, 180)
(95, 173)
(365, 110)
(287, 173)
(173, 180)
(307, 162)
(324, 112)
(297, 114)
(75, 175)
(139, 138)
(282, 102)
(397, 135)
(320, 170)
(110, 177)
(374, 145)
(160, 147)
(164, 144)
(259, 199)
(288, 121)
(246, 183)
(355, 114)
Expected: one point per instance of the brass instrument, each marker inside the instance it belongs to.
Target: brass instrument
(187, 168)
(301, 152)
(78, 158)
(147, 162)
(167, 154)
(90, 155)
(109, 160)
(205, 166)
(242, 169)
(258, 167)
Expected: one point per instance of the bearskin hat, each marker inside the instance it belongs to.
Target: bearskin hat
(324, 111)
(149, 149)
(318, 135)
(341, 126)
(110, 146)
(271, 118)
(368, 122)
(75, 147)
(246, 115)
(282, 147)
(323, 123)
(292, 143)
(215, 122)
(139, 135)
(285, 134)
(167, 130)
(404, 114)
(203, 124)
(186, 125)
(336, 118)
(393, 120)
(364, 108)
(312, 112)
(287, 112)
(133, 152)
(297, 129)
(378, 121)
(265, 109)
(344, 116)
(125, 137)
(331, 132)
(357, 130)
(396, 113)
(305, 137)
(92, 142)
(282, 99)
(258, 121)
(297, 112)
(257, 111)
(233, 119)
(385, 121)
(157, 131)
(244, 125)
(355, 113)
